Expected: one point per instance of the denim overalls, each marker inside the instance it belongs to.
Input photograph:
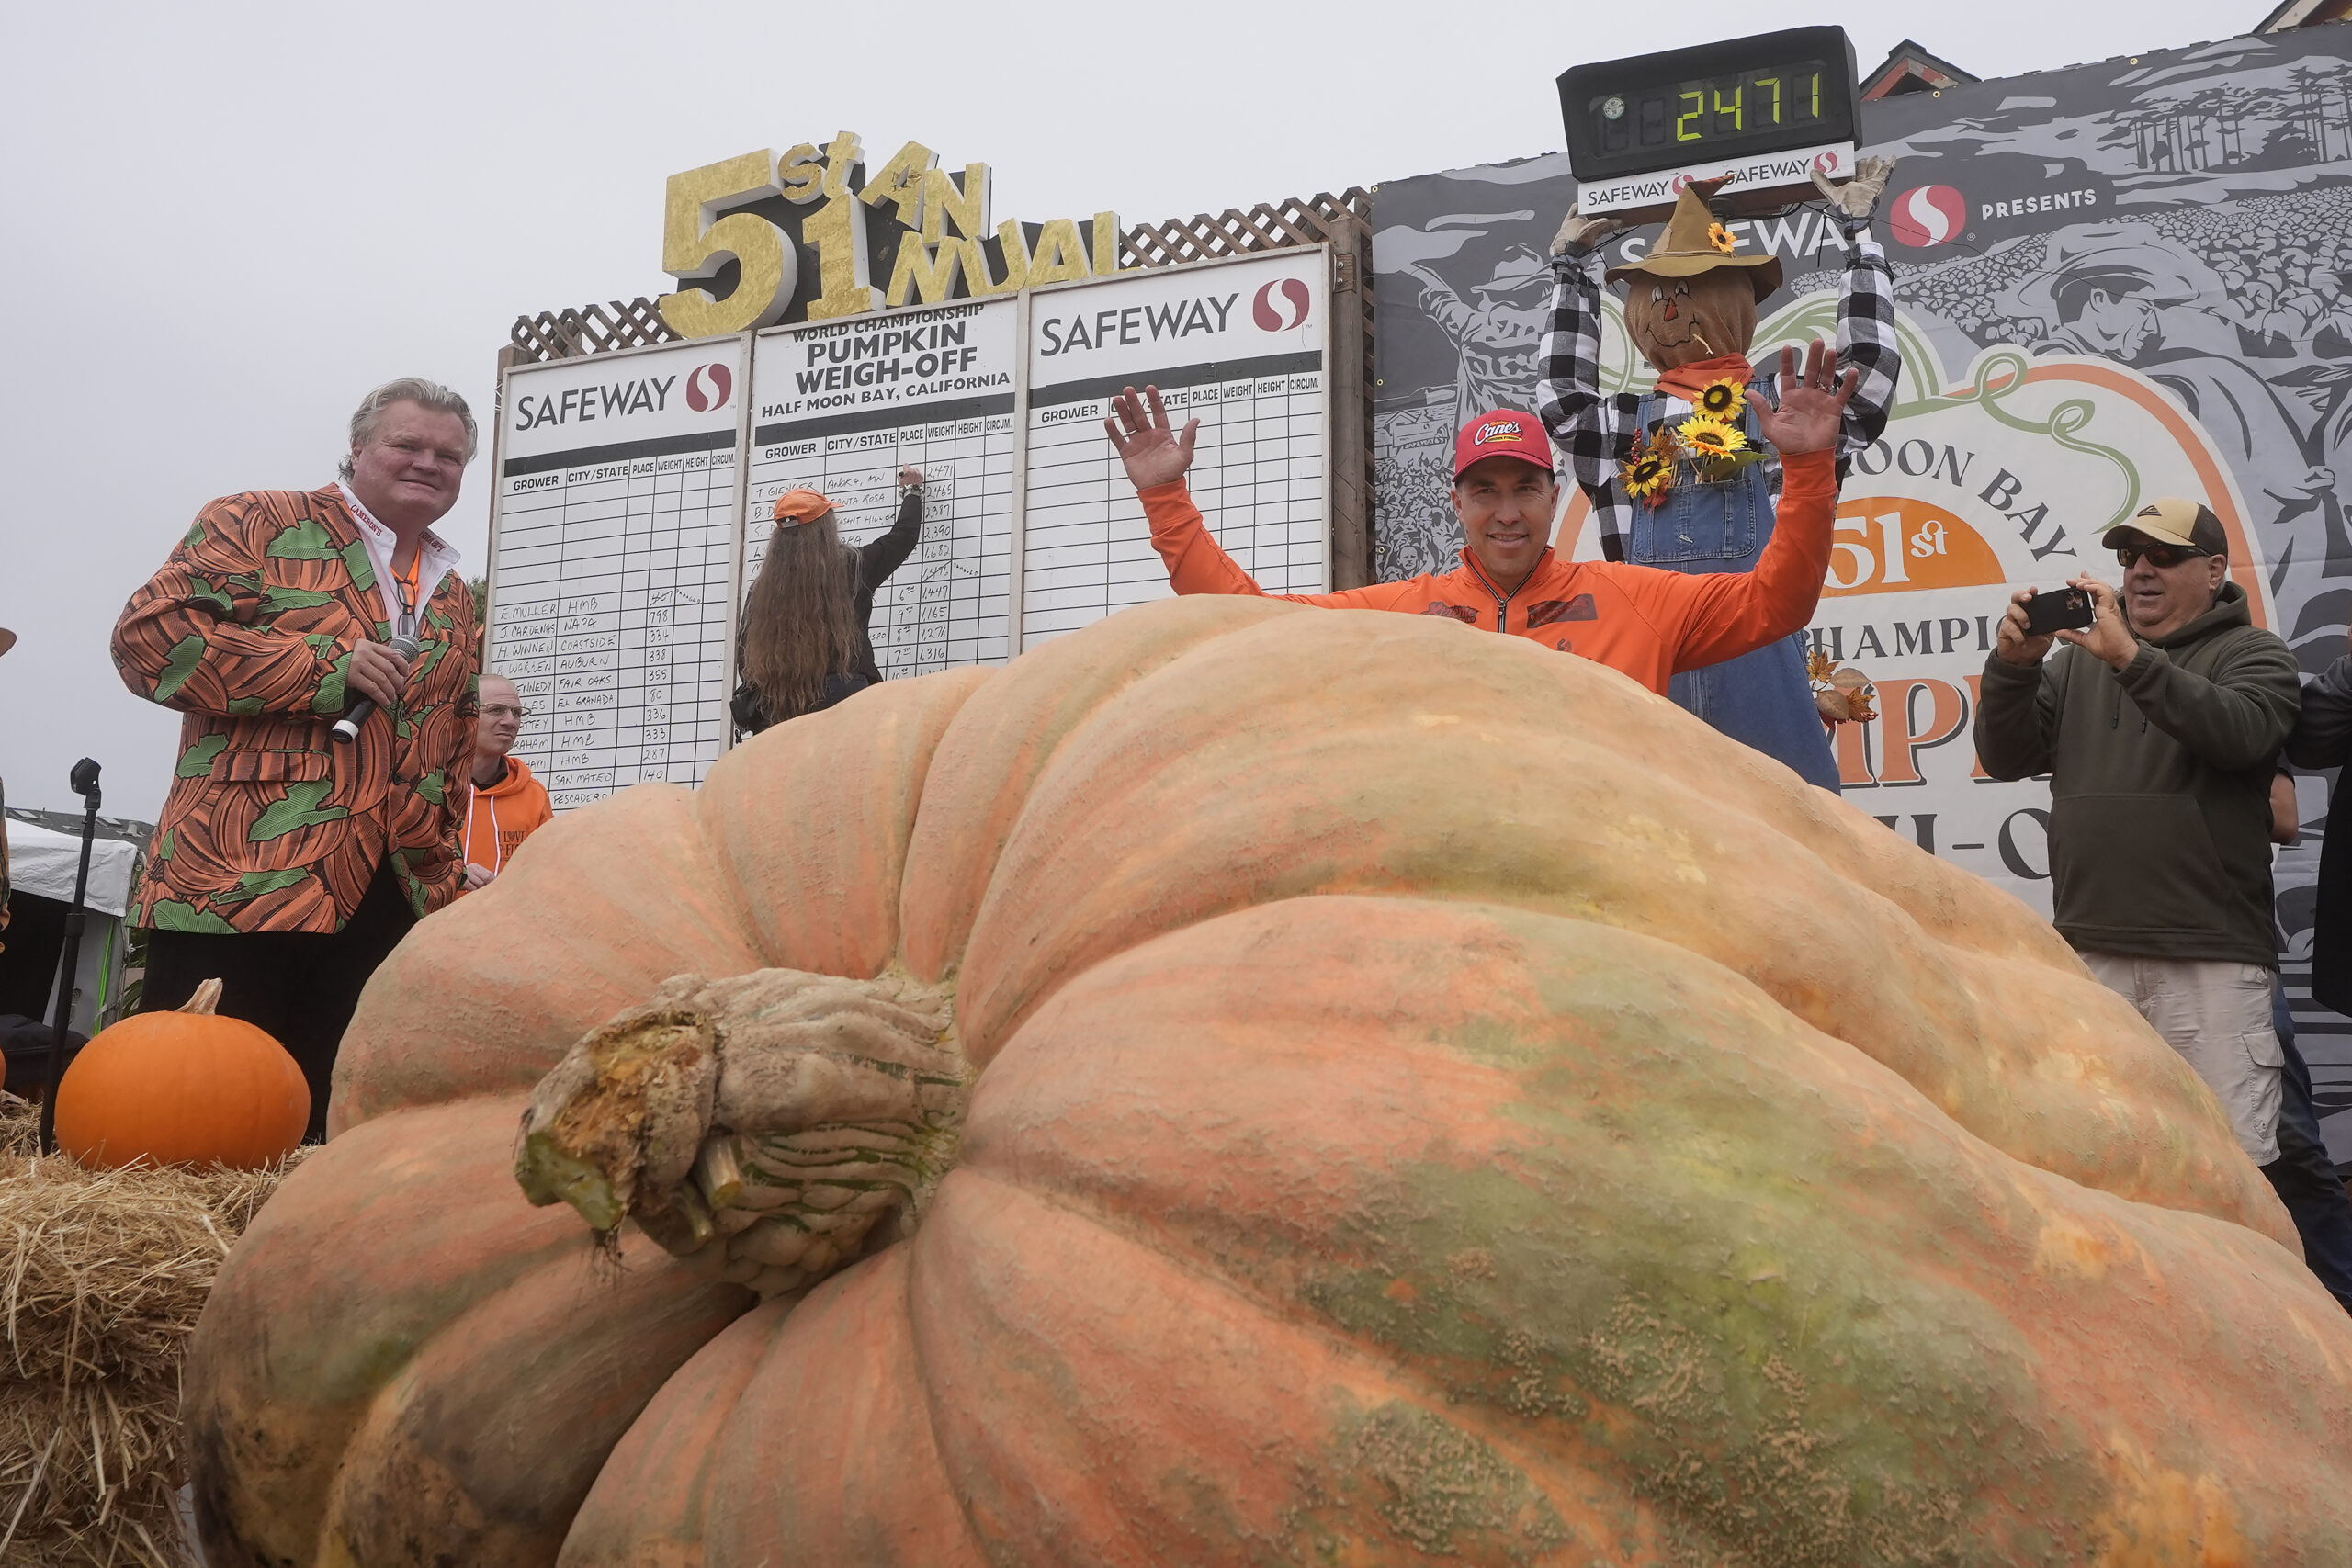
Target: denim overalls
(1762, 699)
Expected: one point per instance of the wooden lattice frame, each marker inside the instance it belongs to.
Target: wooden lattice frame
(591, 329)
(1236, 233)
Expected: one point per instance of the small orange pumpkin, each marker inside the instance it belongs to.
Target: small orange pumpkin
(186, 1087)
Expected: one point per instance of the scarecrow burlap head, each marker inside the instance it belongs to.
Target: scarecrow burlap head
(1692, 300)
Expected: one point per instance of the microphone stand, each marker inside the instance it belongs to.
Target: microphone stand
(85, 784)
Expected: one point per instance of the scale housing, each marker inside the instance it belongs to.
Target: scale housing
(1794, 108)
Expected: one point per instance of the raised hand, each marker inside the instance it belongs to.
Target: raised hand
(1812, 407)
(2015, 642)
(1580, 232)
(1154, 453)
(2109, 638)
(1857, 197)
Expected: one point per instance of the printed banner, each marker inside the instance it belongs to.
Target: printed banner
(2115, 282)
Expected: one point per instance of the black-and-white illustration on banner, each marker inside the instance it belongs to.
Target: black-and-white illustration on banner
(2114, 281)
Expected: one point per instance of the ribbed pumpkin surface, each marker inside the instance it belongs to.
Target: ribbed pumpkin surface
(182, 1089)
(1437, 1102)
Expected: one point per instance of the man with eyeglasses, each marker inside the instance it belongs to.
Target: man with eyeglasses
(506, 804)
(2161, 726)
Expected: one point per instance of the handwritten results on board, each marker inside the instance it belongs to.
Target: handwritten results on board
(612, 548)
(842, 407)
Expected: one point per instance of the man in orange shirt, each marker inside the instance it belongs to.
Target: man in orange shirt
(1644, 621)
(505, 804)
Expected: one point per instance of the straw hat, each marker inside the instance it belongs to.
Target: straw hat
(1690, 247)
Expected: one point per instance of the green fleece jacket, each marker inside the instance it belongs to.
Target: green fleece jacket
(2160, 786)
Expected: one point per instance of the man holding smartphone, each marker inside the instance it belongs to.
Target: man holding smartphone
(2160, 724)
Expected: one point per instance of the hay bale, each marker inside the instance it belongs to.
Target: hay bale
(102, 1275)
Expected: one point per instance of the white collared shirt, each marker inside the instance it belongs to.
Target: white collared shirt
(439, 559)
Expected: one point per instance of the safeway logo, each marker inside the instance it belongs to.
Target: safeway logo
(1281, 306)
(708, 387)
(1930, 215)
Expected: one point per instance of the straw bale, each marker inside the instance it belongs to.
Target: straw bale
(102, 1275)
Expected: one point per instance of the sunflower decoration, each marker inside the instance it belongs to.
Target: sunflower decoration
(1722, 238)
(1649, 472)
(1709, 440)
(1724, 399)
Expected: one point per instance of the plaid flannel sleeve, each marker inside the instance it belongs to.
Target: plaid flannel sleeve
(1595, 432)
(1866, 340)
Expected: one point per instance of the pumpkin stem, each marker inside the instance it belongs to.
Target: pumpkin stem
(768, 1124)
(206, 998)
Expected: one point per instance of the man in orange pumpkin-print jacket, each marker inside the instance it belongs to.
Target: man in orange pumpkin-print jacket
(286, 863)
(1644, 621)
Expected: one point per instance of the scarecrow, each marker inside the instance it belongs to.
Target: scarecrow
(1680, 476)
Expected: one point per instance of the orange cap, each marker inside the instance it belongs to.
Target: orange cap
(801, 506)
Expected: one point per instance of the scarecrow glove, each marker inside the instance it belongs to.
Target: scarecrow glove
(1578, 235)
(1857, 197)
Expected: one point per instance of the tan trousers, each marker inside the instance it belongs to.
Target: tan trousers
(2218, 1017)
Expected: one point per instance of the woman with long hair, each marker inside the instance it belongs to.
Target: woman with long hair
(803, 645)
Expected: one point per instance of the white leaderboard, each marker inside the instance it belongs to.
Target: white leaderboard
(1239, 347)
(842, 407)
(611, 562)
(623, 530)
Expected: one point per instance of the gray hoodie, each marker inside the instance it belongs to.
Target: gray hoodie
(2160, 787)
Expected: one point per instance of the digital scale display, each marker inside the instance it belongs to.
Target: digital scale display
(1767, 111)
(1698, 116)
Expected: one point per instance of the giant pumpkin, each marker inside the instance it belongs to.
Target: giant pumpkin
(1249, 1084)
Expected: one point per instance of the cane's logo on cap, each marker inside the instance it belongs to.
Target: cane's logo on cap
(708, 386)
(1496, 430)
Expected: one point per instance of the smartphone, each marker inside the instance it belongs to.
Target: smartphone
(2058, 609)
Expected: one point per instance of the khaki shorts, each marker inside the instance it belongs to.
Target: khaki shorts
(2218, 1017)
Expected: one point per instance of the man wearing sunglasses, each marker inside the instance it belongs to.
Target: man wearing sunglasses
(2160, 726)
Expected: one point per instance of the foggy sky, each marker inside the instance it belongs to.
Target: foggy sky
(224, 225)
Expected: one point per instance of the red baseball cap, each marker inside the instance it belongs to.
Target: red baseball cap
(1506, 433)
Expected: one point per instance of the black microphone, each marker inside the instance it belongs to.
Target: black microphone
(347, 728)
